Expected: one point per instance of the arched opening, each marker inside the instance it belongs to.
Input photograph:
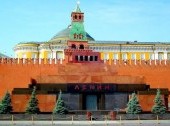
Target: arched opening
(75, 36)
(80, 17)
(73, 46)
(75, 16)
(80, 36)
(81, 46)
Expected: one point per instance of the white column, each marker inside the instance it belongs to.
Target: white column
(54, 55)
(124, 56)
(35, 56)
(115, 57)
(34, 60)
(152, 57)
(61, 61)
(78, 58)
(39, 60)
(165, 55)
(88, 58)
(18, 60)
(93, 58)
(142, 56)
(50, 60)
(55, 60)
(83, 58)
(106, 56)
(115, 61)
(156, 55)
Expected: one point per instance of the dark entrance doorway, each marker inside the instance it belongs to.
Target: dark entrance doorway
(91, 102)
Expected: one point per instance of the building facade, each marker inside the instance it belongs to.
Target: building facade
(109, 50)
(93, 75)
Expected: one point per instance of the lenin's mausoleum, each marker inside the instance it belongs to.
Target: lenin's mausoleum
(93, 75)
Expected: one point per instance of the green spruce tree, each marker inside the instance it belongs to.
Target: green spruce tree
(32, 107)
(159, 107)
(133, 106)
(60, 106)
(5, 104)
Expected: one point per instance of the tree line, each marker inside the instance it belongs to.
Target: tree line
(133, 106)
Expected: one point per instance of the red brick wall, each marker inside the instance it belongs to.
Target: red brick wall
(13, 75)
(46, 102)
(146, 102)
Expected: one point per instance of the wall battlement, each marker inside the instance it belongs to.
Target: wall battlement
(22, 61)
(138, 62)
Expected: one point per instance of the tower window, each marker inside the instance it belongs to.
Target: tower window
(80, 17)
(81, 46)
(75, 36)
(80, 36)
(75, 16)
(73, 46)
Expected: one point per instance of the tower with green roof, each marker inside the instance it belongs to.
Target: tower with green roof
(78, 48)
(77, 31)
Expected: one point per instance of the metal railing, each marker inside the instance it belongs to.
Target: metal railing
(43, 117)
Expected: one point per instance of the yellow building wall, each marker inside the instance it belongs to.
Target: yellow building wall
(138, 55)
(102, 55)
(27, 54)
(147, 57)
(19, 55)
(44, 55)
(129, 55)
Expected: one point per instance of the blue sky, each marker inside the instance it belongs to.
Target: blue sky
(124, 20)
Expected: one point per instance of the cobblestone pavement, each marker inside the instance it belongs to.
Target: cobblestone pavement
(87, 123)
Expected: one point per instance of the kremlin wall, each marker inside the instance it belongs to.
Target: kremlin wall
(19, 75)
(92, 75)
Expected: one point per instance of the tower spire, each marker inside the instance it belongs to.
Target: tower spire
(77, 31)
(78, 2)
(77, 9)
